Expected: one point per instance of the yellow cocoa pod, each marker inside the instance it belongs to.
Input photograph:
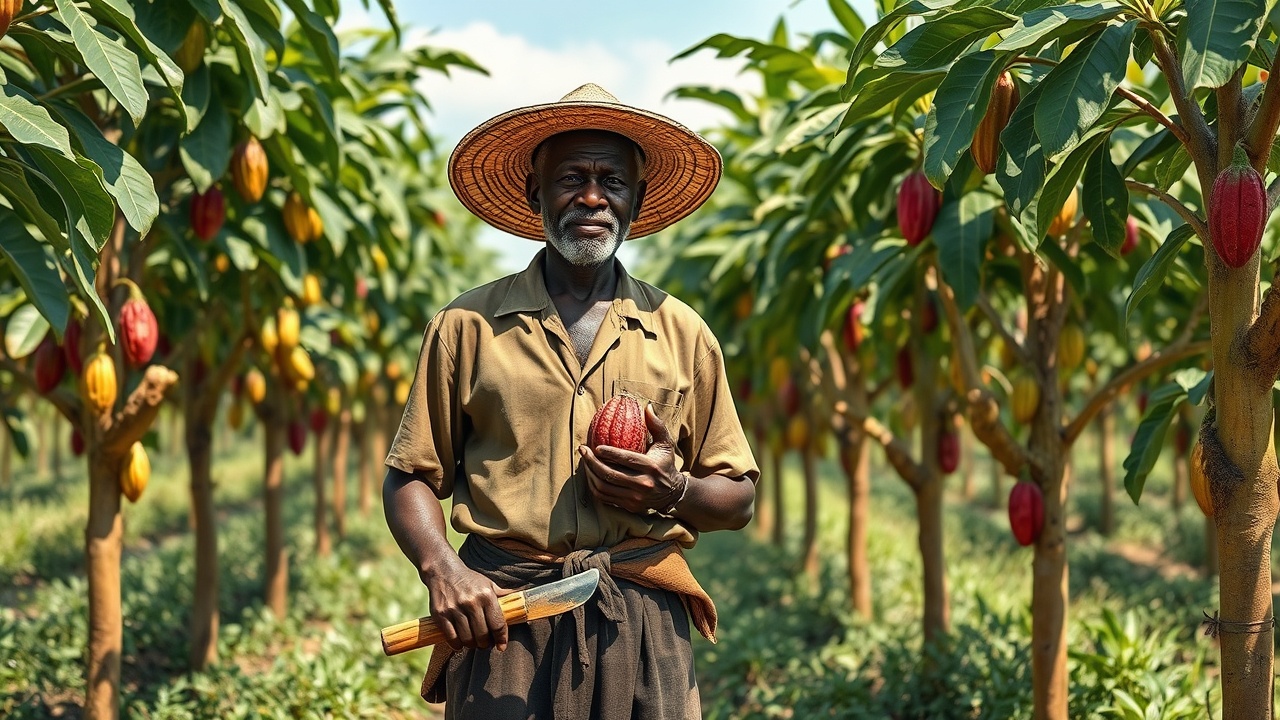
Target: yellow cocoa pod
(191, 52)
(1026, 399)
(267, 336)
(287, 326)
(379, 258)
(135, 472)
(315, 226)
(296, 222)
(797, 432)
(300, 366)
(255, 386)
(372, 322)
(249, 170)
(1066, 217)
(1070, 348)
(222, 263)
(310, 290)
(333, 401)
(235, 416)
(402, 392)
(778, 373)
(98, 383)
(1199, 481)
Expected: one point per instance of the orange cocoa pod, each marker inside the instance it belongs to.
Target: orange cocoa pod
(8, 8)
(98, 383)
(1066, 217)
(255, 386)
(986, 139)
(249, 170)
(191, 52)
(135, 472)
(296, 221)
(1199, 481)
(315, 226)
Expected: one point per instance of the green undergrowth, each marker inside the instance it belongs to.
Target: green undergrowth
(789, 648)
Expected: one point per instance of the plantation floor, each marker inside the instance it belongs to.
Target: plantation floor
(789, 646)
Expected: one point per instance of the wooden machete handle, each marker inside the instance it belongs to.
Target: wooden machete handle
(414, 634)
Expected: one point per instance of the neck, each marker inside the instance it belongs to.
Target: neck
(581, 282)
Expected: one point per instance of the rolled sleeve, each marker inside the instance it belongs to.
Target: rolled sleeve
(718, 444)
(428, 444)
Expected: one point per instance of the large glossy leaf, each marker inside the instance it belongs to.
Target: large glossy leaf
(1217, 37)
(958, 106)
(1040, 26)
(1106, 200)
(871, 98)
(880, 30)
(961, 233)
(125, 177)
(1062, 179)
(1153, 273)
(16, 188)
(1021, 168)
(37, 269)
(248, 46)
(935, 44)
(1148, 439)
(848, 18)
(206, 152)
(106, 55)
(29, 123)
(23, 331)
(79, 183)
(20, 430)
(319, 34)
(195, 96)
(1077, 92)
(123, 19)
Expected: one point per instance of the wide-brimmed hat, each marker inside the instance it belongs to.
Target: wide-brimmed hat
(488, 168)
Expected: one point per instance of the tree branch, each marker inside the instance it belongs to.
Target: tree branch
(993, 317)
(1154, 112)
(895, 450)
(1230, 116)
(1174, 203)
(1201, 142)
(1260, 341)
(1260, 134)
(65, 401)
(135, 418)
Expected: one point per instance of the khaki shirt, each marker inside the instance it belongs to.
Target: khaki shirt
(499, 405)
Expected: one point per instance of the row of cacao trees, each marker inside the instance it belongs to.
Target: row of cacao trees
(263, 193)
(986, 189)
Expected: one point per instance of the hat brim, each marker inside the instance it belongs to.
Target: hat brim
(487, 169)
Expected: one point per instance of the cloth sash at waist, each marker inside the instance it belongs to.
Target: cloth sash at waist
(655, 564)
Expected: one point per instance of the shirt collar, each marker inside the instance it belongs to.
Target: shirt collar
(528, 293)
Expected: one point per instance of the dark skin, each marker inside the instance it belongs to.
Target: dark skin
(597, 171)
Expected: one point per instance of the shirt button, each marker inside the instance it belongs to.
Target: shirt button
(581, 390)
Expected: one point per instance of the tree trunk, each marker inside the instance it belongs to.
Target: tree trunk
(1181, 480)
(997, 484)
(1049, 601)
(276, 581)
(967, 465)
(44, 436)
(859, 479)
(204, 611)
(1106, 424)
(341, 445)
(56, 450)
(779, 502)
(763, 514)
(377, 423)
(319, 471)
(937, 607)
(104, 536)
(809, 544)
(364, 468)
(1210, 547)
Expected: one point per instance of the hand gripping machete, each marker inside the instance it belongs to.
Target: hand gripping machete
(543, 601)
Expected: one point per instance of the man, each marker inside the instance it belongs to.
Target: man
(508, 380)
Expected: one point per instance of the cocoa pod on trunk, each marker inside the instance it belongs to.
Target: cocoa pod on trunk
(986, 139)
(1237, 212)
(1026, 512)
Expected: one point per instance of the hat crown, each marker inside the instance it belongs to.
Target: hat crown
(590, 92)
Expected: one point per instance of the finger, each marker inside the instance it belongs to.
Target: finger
(497, 623)
(476, 616)
(458, 634)
(657, 428)
(624, 458)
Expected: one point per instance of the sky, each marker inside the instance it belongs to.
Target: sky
(537, 52)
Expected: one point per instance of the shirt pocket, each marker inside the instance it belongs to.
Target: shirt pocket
(666, 402)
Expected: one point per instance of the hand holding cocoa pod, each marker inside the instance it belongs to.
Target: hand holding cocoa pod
(636, 482)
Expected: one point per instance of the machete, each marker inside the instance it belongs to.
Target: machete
(539, 602)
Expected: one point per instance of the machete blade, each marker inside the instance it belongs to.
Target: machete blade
(561, 595)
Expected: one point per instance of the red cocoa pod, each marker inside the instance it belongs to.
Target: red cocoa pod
(1131, 236)
(71, 345)
(789, 398)
(139, 332)
(77, 442)
(986, 139)
(620, 424)
(362, 288)
(1142, 403)
(50, 365)
(1026, 512)
(297, 433)
(1237, 212)
(948, 451)
(853, 332)
(918, 205)
(208, 211)
(906, 374)
(319, 420)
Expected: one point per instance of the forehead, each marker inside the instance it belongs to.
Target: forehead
(595, 145)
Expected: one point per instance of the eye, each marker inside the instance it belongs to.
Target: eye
(571, 178)
(614, 181)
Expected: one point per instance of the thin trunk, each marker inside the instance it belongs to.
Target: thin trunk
(174, 444)
(857, 466)
(104, 536)
(809, 545)
(1181, 480)
(967, 465)
(1106, 424)
(937, 607)
(56, 450)
(319, 471)
(1049, 603)
(377, 439)
(204, 611)
(779, 502)
(1210, 547)
(43, 437)
(763, 514)
(997, 484)
(341, 445)
(364, 468)
(276, 581)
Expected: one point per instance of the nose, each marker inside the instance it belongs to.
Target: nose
(592, 195)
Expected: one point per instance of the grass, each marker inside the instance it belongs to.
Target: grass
(788, 648)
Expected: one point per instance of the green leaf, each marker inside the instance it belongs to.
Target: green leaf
(1148, 439)
(961, 233)
(727, 99)
(877, 32)
(936, 43)
(125, 177)
(13, 183)
(23, 331)
(114, 64)
(1064, 176)
(1106, 200)
(29, 123)
(389, 9)
(848, 18)
(1216, 38)
(206, 152)
(249, 47)
(20, 429)
(876, 94)
(320, 35)
(1021, 168)
(1078, 90)
(80, 185)
(124, 20)
(1152, 274)
(195, 96)
(1036, 27)
(209, 9)
(1173, 167)
(37, 270)
(958, 106)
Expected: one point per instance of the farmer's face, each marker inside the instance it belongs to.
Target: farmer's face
(587, 187)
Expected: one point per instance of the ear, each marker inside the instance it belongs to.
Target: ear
(533, 193)
(641, 187)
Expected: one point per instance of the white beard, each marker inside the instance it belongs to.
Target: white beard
(588, 252)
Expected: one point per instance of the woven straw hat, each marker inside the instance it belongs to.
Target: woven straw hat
(488, 168)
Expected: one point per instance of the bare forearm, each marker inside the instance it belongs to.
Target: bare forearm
(717, 502)
(416, 520)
